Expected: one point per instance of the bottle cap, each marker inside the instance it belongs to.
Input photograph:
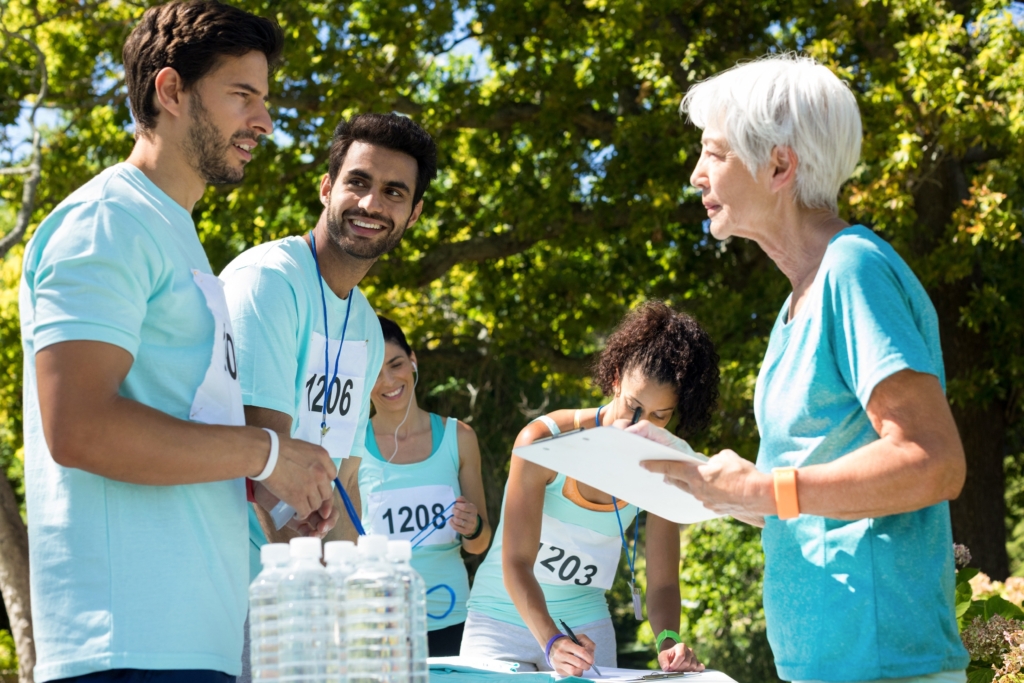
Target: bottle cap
(373, 545)
(274, 553)
(339, 552)
(400, 551)
(305, 548)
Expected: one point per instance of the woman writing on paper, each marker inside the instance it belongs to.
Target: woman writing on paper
(664, 364)
(422, 483)
(859, 452)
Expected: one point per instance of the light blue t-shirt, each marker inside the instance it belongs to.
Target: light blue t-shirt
(124, 575)
(277, 313)
(576, 564)
(872, 598)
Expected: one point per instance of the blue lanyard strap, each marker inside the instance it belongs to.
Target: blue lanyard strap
(327, 335)
(350, 508)
(431, 527)
(618, 518)
(622, 534)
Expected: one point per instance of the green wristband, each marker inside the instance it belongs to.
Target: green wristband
(667, 634)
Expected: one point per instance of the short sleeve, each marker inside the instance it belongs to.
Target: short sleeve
(374, 362)
(93, 278)
(264, 317)
(876, 329)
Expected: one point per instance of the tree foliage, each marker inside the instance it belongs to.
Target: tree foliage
(563, 195)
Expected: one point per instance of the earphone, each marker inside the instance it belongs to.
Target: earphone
(415, 381)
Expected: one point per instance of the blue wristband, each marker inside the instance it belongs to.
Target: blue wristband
(547, 650)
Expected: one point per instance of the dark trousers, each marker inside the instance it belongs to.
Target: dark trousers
(446, 642)
(152, 676)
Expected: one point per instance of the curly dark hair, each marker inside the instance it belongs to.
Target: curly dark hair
(668, 347)
(189, 37)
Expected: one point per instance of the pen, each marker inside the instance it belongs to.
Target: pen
(636, 415)
(573, 638)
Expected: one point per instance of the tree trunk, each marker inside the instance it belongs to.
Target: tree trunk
(14, 579)
(979, 514)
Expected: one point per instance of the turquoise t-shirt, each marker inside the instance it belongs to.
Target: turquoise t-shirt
(124, 575)
(273, 293)
(576, 564)
(404, 501)
(872, 598)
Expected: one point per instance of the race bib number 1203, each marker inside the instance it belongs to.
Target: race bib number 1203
(572, 555)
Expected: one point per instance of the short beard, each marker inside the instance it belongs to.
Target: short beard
(363, 249)
(205, 149)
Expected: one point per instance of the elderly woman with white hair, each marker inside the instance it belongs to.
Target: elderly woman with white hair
(859, 452)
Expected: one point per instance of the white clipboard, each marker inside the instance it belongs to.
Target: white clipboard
(609, 460)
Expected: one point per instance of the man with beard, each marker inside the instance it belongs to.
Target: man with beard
(309, 344)
(136, 449)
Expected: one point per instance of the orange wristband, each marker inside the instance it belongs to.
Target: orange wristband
(785, 492)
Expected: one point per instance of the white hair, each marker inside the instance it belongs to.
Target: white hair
(784, 100)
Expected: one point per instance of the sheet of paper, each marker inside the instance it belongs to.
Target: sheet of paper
(638, 676)
(609, 460)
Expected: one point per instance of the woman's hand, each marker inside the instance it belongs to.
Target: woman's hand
(569, 659)
(726, 484)
(464, 517)
(679, 658)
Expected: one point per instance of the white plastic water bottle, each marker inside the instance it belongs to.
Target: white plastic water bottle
(263, 613)
(400, 554)
(377, 650)
(306, 624)
(341, 562)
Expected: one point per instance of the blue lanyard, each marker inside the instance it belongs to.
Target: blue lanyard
(622, 534)
(327, 332)
(618, 518)
(349, 507)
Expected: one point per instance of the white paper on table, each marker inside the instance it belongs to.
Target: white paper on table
(609, 460)
(637, 675)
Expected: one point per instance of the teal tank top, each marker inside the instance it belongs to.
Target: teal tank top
(577, 561)
(411, 502)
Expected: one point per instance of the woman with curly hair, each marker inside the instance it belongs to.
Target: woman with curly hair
(663, 364)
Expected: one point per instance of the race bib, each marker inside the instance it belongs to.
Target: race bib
(572, 555)
(218, 399)
(345, 402)
(414, 514)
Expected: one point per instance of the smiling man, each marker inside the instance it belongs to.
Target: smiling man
(309, 343)
(136, 447)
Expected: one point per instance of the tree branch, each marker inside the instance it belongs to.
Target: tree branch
(443, 257)
(31, 183)
(981, 153)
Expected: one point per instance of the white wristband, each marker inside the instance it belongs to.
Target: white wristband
(275, 447)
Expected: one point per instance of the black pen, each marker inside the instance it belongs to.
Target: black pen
(573, 638)
(636, 415)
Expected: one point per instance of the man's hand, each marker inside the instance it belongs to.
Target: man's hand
(303, 477)
(317, 524)
(679, 658)
(569, 659)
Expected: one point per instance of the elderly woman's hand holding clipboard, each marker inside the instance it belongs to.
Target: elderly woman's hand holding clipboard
(726, 484)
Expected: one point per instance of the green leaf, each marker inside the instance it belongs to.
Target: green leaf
(980, 674)
(1004, 608)
(965, 575)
